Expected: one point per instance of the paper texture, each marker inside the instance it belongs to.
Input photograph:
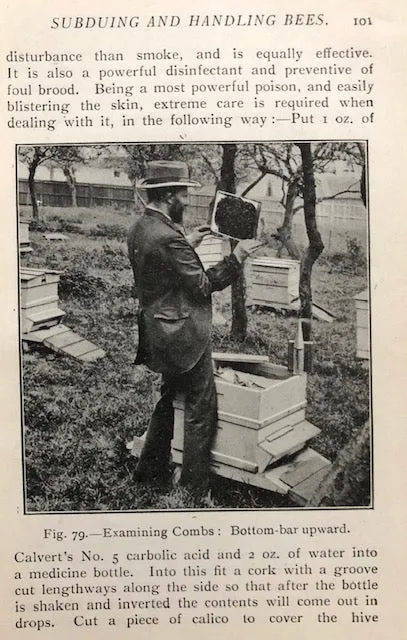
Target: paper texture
(102, 77)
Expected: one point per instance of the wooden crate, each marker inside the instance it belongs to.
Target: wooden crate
(256, 427)
(275, 281)
(272, 453)
(41, 317)
(39, 299)
(212, 250)
(282, 391)
(24, 236)
(362, 325)
(24, 229)
(253, 447)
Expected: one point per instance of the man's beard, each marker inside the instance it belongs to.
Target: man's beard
(176, 212)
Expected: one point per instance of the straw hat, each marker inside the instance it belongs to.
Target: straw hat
(166, 173)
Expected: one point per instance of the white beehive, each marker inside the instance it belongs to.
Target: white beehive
(262, 434)
(24, 236)
(275, 281)
(362, 325)
(39, 299)
(257, 425)
(41, 317)
(212, 250)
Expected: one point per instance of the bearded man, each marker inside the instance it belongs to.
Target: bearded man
(175, 318)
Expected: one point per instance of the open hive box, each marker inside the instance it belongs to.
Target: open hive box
(262, 432)
(362, 325)
(275, 281)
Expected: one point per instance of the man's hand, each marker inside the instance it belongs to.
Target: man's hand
(195, 238)
(245, 248)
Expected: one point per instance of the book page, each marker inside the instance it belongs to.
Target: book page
(265, 493)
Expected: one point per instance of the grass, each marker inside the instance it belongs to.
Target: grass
(79, 417)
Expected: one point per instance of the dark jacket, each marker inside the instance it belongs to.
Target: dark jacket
(174, 292)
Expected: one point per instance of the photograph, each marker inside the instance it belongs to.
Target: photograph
(194, 326)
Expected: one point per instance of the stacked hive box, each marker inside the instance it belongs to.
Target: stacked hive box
(260, 428)
(212, 250)
(41, 316)
(39, 299)
(24, 238)
(362, 325)
(274, 281)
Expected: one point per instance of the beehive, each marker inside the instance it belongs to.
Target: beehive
(257, 426)
(39, 299)
(275, 281)
(362, 325)
(270, 452)
(212, 250)
(24, 236)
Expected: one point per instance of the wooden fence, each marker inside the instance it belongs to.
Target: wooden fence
(52, 193)
(336, 219)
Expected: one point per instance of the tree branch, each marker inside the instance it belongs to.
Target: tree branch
(210, 167)
(252, 185)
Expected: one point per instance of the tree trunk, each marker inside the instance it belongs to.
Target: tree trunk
(70, 178)
(31, 186)
(228, 183)
(285, 231)
(227, 172)
(316, 246)
(363, 185)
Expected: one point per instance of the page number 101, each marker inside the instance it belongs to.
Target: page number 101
(362, 22)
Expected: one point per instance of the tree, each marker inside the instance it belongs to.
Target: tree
(223, 165)
(228, 163)
(297, 173)
(348, 480)
(67, 157)
(227, 182)
(280, 160)
(140, 154)
(355, 154)
(283, 160)
(33, 156)
(316, 246)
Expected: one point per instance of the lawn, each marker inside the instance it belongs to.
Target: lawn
(79, 417)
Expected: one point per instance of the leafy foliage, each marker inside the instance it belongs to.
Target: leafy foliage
(353, 261)
(78, 283)
(108, 231)
(40, 225)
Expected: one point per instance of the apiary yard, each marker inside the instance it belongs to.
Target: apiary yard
(80, 416)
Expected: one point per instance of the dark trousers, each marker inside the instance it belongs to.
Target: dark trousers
(200, 419)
